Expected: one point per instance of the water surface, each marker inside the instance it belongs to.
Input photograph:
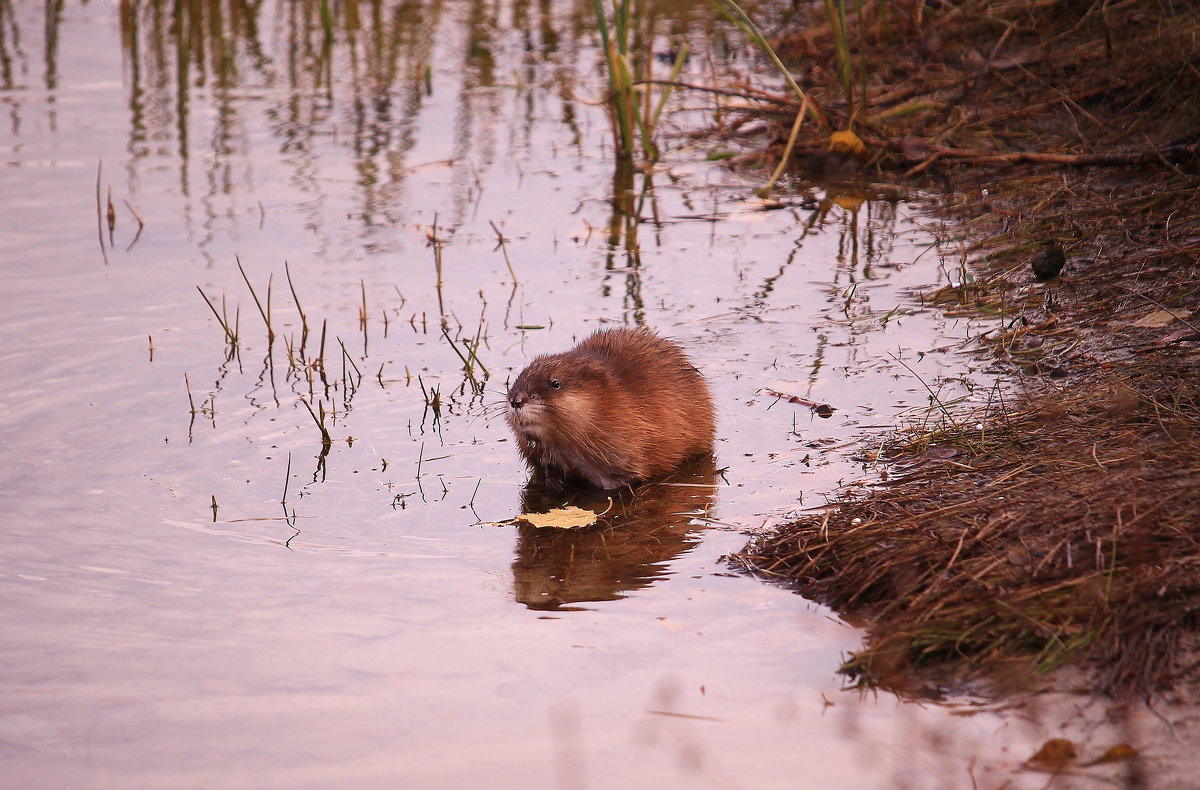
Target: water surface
(196, 592)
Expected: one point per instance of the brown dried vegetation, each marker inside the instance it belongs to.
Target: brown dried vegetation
(997, 81)
(1067, 527)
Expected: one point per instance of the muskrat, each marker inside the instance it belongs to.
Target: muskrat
(624, 405)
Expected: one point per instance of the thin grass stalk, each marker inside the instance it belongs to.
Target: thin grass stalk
(836, 11)
(676, 70)
(299, 309)
(766, 188)
(739, 17)
(264, 312)
(346, 356)
(502, 243)
(287, 476)
(326, 441)
(230, 335)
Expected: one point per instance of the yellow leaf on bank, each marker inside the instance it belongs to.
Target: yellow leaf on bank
(1160, 318)
(560, 518)
(847, 142)
(1055, 753)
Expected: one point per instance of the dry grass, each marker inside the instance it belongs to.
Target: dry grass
(997, 81)
(1068, 528)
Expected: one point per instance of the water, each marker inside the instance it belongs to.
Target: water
(195, 593)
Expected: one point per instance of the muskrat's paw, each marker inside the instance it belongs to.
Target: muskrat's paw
(611, 484)
(553, 479)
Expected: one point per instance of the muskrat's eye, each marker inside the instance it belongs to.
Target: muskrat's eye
(555, 384)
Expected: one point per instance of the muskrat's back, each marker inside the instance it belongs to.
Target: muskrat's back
(623, 405)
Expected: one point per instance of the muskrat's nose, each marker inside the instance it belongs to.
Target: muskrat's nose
(516, 401)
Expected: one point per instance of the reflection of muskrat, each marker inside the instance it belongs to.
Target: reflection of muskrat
(624, 405)
(637, 535)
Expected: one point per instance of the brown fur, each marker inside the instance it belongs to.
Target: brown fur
(629, 407)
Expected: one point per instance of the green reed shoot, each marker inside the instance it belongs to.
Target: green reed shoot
(676, 68)
(326, 19)
(622, 62)
(471, 358)
(620, 79)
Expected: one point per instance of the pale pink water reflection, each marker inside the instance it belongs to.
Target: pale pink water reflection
(339, 618)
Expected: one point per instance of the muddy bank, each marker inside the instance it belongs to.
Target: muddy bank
(1060, 524)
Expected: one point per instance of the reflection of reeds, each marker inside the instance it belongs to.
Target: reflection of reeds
(433, 240)
(502, 243)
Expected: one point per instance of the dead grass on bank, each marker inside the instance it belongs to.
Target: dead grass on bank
(993, 82)
(1067, 528)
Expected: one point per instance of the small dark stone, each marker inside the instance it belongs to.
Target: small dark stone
(1048, 262)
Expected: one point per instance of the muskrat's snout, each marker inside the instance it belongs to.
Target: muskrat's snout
(518, 395)
(522, 403)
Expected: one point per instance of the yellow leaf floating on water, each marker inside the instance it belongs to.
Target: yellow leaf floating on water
(1122, 751)
(1055, 753)
(847, 142)
(848, 202)
(561, 518)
